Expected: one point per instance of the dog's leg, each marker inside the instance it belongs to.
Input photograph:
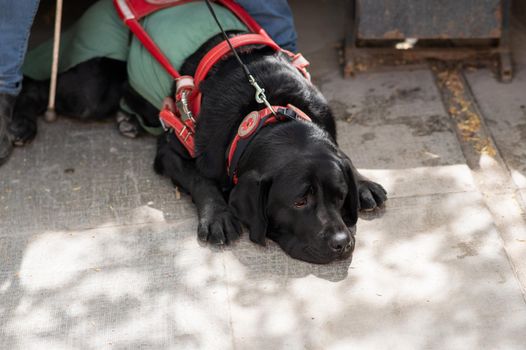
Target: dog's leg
(31, 102)
(216, 223)
(128, 124)
(372, 195)
(90, 90)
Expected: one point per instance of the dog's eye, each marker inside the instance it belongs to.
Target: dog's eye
(301, 203)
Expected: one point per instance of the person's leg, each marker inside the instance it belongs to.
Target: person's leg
(275, 17)
(16, 18)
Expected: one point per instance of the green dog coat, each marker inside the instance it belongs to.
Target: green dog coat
(178, 31)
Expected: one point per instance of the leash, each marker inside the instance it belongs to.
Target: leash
(260, 92)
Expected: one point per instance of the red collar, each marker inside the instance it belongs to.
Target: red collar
(249, 127)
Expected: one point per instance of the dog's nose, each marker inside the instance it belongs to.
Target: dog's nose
(340, 242)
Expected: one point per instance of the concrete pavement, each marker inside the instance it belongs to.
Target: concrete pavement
(98, 252)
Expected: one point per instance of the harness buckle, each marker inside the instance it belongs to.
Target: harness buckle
(182, 107)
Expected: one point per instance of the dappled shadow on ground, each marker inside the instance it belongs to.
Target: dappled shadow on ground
(430, 272)
(110, 287)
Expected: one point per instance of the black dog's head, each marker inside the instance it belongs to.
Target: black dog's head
(299, 190)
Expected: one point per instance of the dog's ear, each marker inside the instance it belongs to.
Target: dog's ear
(248, 200)
(352, 201)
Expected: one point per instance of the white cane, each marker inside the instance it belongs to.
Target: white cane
(51, 115)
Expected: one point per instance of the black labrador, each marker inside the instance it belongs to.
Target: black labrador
(295, 187)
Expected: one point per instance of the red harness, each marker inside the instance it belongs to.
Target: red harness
(182, 115)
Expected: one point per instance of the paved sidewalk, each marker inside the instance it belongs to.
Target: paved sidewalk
(98, 252)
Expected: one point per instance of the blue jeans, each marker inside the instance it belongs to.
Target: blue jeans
(275, 17)
(16, 18)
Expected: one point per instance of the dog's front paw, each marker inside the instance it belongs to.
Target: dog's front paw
(218, 226)
(22, 130)
(128, 125)
(372, 195)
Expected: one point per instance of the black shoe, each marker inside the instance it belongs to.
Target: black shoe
(7, 103)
